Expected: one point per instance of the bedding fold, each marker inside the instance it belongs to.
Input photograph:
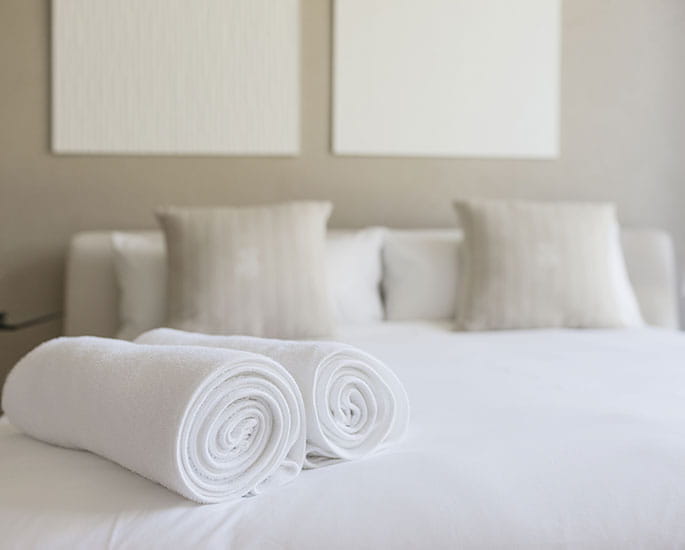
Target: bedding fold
(354, 404)
(210, 424)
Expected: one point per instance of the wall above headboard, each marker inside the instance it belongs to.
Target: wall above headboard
(622, 130)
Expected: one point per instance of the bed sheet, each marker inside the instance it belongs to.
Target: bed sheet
(540, 439)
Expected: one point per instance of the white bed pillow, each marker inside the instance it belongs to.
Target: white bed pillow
(256, 270)
(353, 263)
(542, 265)
(420, 279)
(141, 274)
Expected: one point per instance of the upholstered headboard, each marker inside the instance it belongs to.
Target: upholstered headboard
(91, 301)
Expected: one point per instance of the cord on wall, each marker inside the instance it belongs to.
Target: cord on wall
(6, 326)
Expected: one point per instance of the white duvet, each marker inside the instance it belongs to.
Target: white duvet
(549, 439)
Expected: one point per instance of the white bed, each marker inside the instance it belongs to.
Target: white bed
(531, 439)
(518, 440)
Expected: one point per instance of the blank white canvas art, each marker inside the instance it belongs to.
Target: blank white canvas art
(447, 78)
(176, 77)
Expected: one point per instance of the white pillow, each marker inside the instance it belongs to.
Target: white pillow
(354, 268)
(253, 270)
(141, 275)
(353, 262)
(542, 265)
(420, 280)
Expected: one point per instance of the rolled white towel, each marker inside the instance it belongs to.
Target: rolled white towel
(354, 404)
(209, 424)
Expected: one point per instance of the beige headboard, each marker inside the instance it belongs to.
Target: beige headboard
(91, 291)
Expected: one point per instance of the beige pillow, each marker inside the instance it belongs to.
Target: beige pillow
(257, 271)
(542, 265)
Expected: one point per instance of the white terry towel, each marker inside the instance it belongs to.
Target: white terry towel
(210, 424)
(354, 404)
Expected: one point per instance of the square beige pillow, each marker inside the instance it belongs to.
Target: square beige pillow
(542, 265)
(258, 271)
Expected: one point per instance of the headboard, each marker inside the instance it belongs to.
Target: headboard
(91, 300)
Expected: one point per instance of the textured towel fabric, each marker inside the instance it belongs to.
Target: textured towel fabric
(354, 404)
(209, 424)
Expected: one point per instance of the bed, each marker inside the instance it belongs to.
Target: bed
(527, 439)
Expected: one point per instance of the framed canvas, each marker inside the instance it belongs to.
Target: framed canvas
(216, 77)
(447, 78)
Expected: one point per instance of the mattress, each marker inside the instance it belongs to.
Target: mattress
(544, 439)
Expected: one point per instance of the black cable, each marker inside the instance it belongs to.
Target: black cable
(5, 326)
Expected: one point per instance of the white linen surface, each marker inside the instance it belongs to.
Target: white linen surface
(560, 438)
(354, 404)
(210, 424)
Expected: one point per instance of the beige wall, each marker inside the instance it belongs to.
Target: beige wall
(623, 139)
